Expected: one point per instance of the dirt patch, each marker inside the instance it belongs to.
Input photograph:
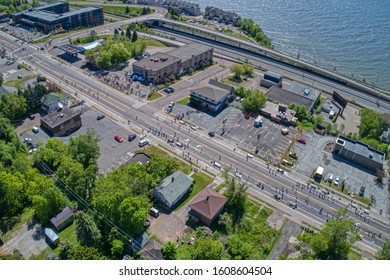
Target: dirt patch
(29, 239)
(167, 227)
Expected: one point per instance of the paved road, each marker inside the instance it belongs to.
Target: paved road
(121, 108)
(362, 98)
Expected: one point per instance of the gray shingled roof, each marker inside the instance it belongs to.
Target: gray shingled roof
(171, 189)
(212, 93)
(51, 98)
(6, 90)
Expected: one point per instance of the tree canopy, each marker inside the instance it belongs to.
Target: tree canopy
(384, 253)
(254, 100)
(333, 241)
(372, 124)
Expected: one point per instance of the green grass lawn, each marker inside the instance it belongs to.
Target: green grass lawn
(155, 95)
(151, 42)
(219, 187)
(184, 101)
(68, 234)
(253, 230)
(26, 216)
(201, 181)
(229, 80)
(18, 83)
(354, 255)
(157, 151)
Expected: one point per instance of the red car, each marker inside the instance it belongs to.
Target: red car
(301, 140)
(118, 138)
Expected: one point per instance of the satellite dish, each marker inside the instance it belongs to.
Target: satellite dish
(60, 105)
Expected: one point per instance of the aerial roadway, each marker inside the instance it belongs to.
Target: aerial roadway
(313, 206)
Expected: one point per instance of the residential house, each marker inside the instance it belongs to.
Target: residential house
(172, 189)
(152, 251)
(6, 90)
(140, 241)
(207, 205)
(52, 102)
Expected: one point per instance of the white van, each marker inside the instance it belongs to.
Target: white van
(218, 165)
(154, 212)
(143, 142)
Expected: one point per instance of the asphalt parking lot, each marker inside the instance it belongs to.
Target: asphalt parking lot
(11, 72)
(112, 153)
(312, 155)
(271, 143)
(21, 32)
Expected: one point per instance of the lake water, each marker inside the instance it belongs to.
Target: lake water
(351, 37)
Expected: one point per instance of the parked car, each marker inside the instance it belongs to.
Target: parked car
(301, 140)
(336, 181)
(131, 137)
(31, 117)
(285, 131)
(171, 104)
(171, 89)
(167, 90)
(99, 117)
(27, 140)
(293, 205)
(211, 133)
(35, 129)
(278, 196)
(179, 144)
(361, 192)
(118, 138)
(293, 155)
(331, 177)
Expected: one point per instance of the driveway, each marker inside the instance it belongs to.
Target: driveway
(29, 240)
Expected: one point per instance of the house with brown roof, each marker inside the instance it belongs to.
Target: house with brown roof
(62, 219)
(152, 251)
(207, 205)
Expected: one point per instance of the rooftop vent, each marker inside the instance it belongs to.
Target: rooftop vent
(341, 142)
(370, 155)
(163, 58)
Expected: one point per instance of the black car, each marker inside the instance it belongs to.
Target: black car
(100, 117)
(361, 192)
(167, 90)
(211, 133)
(131, 137)
(171, 89)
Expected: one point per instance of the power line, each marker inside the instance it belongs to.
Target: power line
(126, 237)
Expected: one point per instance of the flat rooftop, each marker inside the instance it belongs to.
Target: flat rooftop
(283, 96)
(303, 90)
(56, 118)
(361, 149)
(187, 51)
(49, 16)
(71, 49)
(273, 109)
(156, 61)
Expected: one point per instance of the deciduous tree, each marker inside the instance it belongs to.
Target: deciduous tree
(87, 231)
(169, 250)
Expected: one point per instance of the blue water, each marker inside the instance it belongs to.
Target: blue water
(351, 37)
